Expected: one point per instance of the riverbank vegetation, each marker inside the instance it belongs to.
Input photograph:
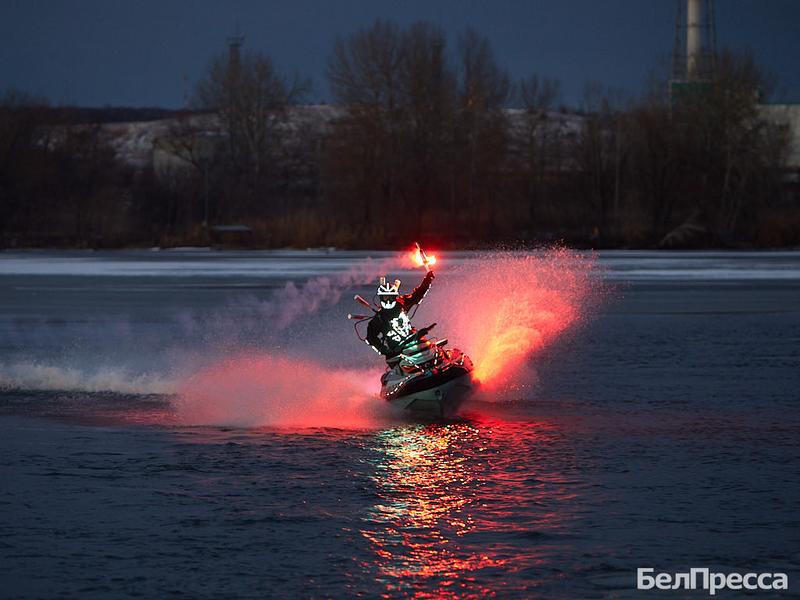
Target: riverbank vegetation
(427, 138)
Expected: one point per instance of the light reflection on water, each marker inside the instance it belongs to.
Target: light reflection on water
(460, 505)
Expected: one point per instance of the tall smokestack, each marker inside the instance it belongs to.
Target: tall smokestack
(234, 52)
(694, 29)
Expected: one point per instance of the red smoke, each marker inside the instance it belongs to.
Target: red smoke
(265, 390)
(500, 308)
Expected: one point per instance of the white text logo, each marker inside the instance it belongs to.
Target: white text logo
(708, 580)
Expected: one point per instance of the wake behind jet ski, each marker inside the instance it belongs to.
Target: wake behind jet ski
(422, 375)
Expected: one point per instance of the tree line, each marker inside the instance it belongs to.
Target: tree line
(425, 140)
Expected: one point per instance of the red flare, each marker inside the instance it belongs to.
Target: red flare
(420, 259)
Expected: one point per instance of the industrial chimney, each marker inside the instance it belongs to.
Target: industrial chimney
(694, 39)
(693, 57)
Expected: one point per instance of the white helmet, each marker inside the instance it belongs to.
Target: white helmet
(387, 294)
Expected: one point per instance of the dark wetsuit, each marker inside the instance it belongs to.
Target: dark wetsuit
(391, 325)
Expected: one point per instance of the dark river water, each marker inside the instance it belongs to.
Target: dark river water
(662, 432)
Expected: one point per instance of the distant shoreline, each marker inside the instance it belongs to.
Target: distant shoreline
(516, 245)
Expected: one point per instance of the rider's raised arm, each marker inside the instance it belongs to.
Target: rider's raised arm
(419, 292)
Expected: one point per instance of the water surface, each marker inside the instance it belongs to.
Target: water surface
(664, 432)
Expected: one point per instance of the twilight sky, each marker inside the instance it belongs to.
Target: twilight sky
(137, 52)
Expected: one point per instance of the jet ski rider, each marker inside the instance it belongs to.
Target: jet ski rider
(391, 323)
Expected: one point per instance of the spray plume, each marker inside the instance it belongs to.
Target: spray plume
(504, 307)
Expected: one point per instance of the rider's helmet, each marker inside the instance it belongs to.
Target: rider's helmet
(388, 293)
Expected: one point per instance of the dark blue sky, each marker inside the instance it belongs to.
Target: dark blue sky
(124, 52)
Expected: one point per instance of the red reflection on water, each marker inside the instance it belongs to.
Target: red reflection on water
(438, 485)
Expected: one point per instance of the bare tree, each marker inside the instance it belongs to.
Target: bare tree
(252, 100)
(484, 89)
(599, 151)
(540, 138)
(730, 149)
(427, 97)
(655, 166)
(417, 130)
(364, 74)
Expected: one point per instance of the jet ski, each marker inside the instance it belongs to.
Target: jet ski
(426, 378)
(423, 376)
